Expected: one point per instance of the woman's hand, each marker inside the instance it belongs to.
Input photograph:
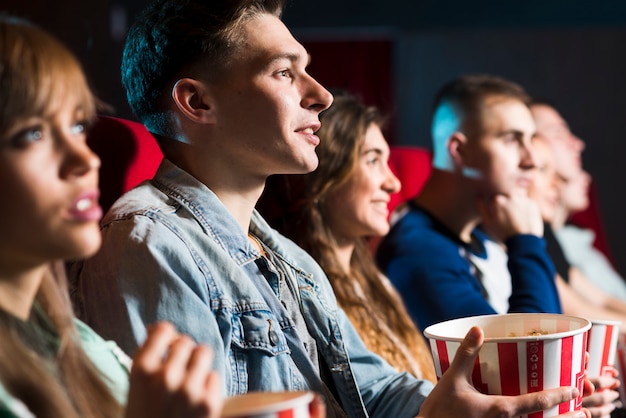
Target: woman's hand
(454, 395)
(171, 377)
(602, 402)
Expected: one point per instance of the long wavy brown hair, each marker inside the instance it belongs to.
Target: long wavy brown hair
(36, 74)
(296, 206)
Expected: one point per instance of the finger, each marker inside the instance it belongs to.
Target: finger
(198, 367)
(150, 355)
(602, 412)
(175, 364)
(501, 199)
(601, 398)
(604, 382)
(465, 357)
(539, 401)
(613, 370)
(583, 413)
(213, 394)
(317, 408)
(588, 387)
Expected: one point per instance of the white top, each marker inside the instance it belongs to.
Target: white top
(577, 244)
(496, 278)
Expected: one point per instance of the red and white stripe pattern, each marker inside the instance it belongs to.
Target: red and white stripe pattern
(269, 405)
(513, 368)
(602, 347)
(301, 411)
(620, 365)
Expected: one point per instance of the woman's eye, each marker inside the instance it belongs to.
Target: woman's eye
(78, 128)
(34, 135)
(284, 73)
(27, 136)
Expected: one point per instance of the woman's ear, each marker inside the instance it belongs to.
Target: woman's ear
(193, 99)
(457, 144)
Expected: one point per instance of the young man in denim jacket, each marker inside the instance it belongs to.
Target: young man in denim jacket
(223, 87)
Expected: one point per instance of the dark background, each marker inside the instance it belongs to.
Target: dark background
(397, 53)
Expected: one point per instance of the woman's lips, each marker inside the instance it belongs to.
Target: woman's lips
(86, 208)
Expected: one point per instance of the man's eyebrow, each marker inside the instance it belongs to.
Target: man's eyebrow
(510, 131)
(291, 56)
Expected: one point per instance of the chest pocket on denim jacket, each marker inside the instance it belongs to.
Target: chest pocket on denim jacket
(258, 330)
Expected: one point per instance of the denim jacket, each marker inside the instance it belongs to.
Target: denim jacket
(172, 251)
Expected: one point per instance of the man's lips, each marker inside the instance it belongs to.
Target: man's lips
(309, 132)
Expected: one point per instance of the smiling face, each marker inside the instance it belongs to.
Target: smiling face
(357, 207)
(500, 160)
(49, 179)
(267, 105)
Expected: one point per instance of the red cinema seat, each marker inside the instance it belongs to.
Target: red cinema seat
(412, 165)
(129, 155)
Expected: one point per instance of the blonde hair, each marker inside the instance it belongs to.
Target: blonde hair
(36, 74)
(296, 206)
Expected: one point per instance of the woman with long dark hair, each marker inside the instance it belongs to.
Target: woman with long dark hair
(334, 211)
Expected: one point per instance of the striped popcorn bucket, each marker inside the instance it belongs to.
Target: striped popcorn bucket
(268, 405)
(522, 353)
(620, 364)
(602, 347)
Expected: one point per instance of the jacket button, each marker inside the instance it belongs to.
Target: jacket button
(274, 339)
(273, 336)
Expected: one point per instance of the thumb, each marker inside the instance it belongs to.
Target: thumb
(466, 355)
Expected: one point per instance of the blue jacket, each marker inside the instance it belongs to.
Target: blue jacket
(426, 263)
(171, 251)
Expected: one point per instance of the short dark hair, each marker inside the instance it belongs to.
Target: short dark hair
(172, 36)
(467, 95)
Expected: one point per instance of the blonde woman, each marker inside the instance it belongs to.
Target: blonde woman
(52, 365)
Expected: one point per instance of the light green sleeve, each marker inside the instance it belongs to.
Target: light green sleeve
(109, 358)
(112, 362)
(11, 407)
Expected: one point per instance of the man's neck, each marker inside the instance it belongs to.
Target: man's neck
(451, 202)
(239, 203)
(560, 217)
(238, 192)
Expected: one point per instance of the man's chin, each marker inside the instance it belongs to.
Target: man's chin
(308, 166)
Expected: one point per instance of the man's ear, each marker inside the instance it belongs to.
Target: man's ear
(193, 99)
(457, 145)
